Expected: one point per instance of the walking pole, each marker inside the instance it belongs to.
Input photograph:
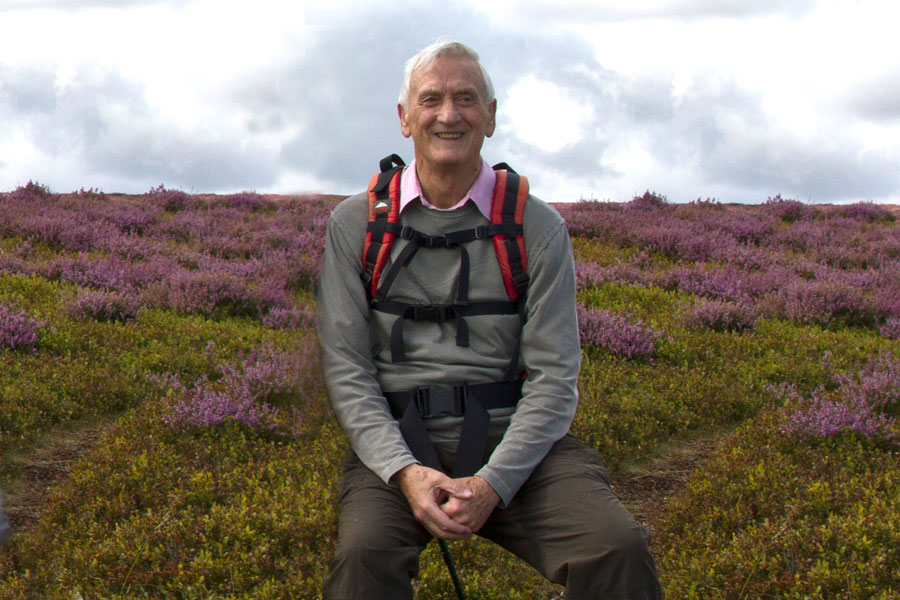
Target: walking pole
(448, 558)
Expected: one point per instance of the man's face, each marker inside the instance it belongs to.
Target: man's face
(448, 116)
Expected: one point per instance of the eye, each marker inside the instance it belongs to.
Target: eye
(465, 100)
(429, 100)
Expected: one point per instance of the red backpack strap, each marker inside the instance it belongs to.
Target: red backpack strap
(384, 209)
(507, 209)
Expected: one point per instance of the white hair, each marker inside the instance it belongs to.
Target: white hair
(426, 56)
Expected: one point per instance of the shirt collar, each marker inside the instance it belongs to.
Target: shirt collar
(481, 192)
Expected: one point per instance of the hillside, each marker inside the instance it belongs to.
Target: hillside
(164, 430)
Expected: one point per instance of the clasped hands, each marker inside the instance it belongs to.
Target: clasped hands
(448, 508)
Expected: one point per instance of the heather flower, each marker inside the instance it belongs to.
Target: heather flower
(207, 407)
(867, 211)
(823, 417)
(592, 219)
(648, 201)
(718, 284)
(104, 306)
(616, 333)
(877, 384)
(209, 293)
(787, 210)
(818, 302)
(14, 265)
(109, 273)
(589, 274)
(721, 316)
(288, 318)
(856, 405)
(31, 189)
(132, 219)
(170, 200)
(891, 328)
(18, 331)
(266, 373)
(250, 201)
(247, 393)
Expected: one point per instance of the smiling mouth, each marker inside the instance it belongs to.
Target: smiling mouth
(449, 136)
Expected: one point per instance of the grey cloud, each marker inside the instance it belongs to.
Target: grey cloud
(340, 92)
(26, 91)
(345, 90)
(101, 123)
(820, 169)
(729, 140)
(877, 100)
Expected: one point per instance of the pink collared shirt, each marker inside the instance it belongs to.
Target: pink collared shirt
(481, 192)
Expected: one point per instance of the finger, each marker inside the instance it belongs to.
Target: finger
(442, 526)
(453, 508)
(457, 489)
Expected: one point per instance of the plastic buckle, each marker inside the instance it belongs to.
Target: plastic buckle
(435, 241)
(438, 314)
(421, 313)
(521, 280)
(441, 401)
(481, 232)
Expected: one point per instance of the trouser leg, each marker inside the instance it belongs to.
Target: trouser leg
(379, 540)
(568, 524)
(4, 524)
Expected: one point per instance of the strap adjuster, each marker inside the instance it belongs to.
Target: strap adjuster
(440, 313)
(521, 279)
(441, 401)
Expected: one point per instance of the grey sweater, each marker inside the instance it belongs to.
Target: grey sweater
(355, 342)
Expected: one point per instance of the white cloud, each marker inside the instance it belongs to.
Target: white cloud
(544, 116)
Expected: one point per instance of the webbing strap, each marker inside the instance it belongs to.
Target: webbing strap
(439, 313)
(416, 437)
(469, 401)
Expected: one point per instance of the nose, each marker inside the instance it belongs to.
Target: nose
(449, 112)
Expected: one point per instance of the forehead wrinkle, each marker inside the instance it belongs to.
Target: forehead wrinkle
(424, 81)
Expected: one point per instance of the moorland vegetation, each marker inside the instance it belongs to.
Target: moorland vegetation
(180, 327)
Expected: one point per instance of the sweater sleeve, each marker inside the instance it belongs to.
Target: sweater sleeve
(344, 340)
(551, 355)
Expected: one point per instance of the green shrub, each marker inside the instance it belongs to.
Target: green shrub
(774, 517)
(156, 512)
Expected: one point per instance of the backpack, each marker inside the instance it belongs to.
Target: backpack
(507, 209)
(506, 231)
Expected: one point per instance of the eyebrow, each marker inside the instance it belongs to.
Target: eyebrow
(471, 90)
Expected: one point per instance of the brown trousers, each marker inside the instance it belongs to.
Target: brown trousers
(565, 521)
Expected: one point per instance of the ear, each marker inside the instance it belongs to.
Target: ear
(492, 122)
(404, 124)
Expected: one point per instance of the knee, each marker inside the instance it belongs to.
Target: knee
(632, 541)
(619, 566)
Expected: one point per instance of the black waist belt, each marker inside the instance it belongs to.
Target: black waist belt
(470, 401)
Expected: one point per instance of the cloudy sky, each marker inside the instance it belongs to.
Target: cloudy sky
(733, 99)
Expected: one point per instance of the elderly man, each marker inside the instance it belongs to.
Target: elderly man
(456, 391)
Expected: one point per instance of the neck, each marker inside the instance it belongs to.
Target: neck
(445, 187)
